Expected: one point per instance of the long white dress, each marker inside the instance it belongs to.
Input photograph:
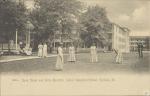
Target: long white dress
(28, 50)
(40, 50)
(93, 54)
(119, 57)
(72, 57)
(60, 59)
(44, 50)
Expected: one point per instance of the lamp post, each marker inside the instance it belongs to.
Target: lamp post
(16, 39)
(60, 29)
(28, 35)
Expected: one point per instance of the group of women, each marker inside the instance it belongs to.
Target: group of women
(60, 58)
(72, 56)
(42, 52)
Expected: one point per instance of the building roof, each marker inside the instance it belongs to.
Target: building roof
(125, 29)
(140, 37)
(140, 34)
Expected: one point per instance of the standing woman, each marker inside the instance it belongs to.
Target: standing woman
(140, 49)
(60, 58)
(40, 50)
(93, 53)
(45, 50)
(119, 57)
(72, 57)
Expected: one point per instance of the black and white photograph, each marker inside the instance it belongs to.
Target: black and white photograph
(74, 47)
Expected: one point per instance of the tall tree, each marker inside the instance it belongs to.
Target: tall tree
(12, 17)
(50, 16)
(94, 25)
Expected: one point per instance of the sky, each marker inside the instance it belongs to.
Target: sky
(133, 14)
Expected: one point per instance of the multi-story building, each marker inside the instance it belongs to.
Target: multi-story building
(61, 37)
(145, 40)
(65, 38)
(119, 38)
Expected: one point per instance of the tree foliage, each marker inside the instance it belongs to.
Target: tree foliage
(94, 25)
(50, 16)
(12, 17)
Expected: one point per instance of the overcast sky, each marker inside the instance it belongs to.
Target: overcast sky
(134, 14)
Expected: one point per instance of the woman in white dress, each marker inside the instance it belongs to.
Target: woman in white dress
(40, 50)
(45, 50)
(60, 59)
(72, 57)
(27, 50)
(93, 54)
(119, 57)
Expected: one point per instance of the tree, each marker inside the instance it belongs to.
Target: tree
(50, 16)
(94, 25)
(12, 17)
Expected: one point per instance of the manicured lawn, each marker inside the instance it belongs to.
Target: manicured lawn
(106, 64)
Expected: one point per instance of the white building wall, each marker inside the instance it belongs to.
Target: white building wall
(127, 43)
(120, 39)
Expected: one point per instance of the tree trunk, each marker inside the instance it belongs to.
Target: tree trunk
(9, 50)
(2, 46)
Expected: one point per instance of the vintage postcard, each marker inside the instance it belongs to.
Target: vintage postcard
(74, 48)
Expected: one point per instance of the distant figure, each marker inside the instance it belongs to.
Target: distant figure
(40, 50)
(11, 44)
(50, 48)
(60, 58)
(45, 50)
(27, 50)
(22, 45)
(93, 53)
(119, 57)
(140, 49)
(72, 57)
